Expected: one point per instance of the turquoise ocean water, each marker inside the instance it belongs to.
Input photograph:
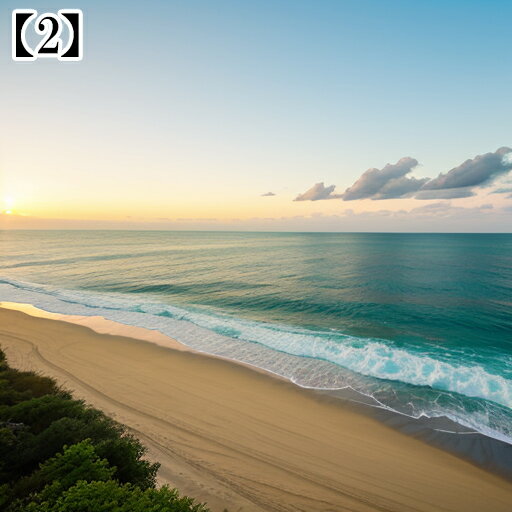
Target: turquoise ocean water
(421, 323)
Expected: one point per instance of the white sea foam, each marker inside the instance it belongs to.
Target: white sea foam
(369, 357)
(309, 358)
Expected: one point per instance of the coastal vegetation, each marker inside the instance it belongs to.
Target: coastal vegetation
(57, 454)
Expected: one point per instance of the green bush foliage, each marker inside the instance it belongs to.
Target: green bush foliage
(109, 496)
(57, 454)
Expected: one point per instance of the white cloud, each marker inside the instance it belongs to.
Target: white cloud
(385, 183)
(318, 192)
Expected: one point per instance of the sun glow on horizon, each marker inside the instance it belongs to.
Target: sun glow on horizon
(8, 204)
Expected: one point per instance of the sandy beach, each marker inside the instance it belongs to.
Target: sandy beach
(242, 440)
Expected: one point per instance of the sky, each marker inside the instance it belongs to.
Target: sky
(269, 115)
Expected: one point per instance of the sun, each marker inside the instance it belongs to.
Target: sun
(8, 204)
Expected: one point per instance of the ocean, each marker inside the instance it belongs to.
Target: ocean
(420, 324)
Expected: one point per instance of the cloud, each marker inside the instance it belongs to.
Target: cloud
(392, 182)
(268, 194)
(441, 207)
(400, 187)
(474, 172)
(439, 216)
(446, 193)
(502, 190)
(318, 192)
(445, 209)
(385, 183)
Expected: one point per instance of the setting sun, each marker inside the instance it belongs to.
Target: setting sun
(8, 204)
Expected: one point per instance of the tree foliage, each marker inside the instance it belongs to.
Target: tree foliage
(110, 496)
(60, 455)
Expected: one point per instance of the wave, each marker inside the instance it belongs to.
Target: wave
(365, 356)
(170, 289)
(469, 394)
(93, 258)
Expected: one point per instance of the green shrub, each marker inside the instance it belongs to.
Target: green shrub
(60, 455)
(78, 462)
(125, 453)
(110, 496)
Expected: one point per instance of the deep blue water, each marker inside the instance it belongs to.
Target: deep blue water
(421, 322)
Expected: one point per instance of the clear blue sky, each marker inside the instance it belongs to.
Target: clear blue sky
(194, 109)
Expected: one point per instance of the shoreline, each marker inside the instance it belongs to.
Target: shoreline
(486, 452)
(288, 450)
(301, 360)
